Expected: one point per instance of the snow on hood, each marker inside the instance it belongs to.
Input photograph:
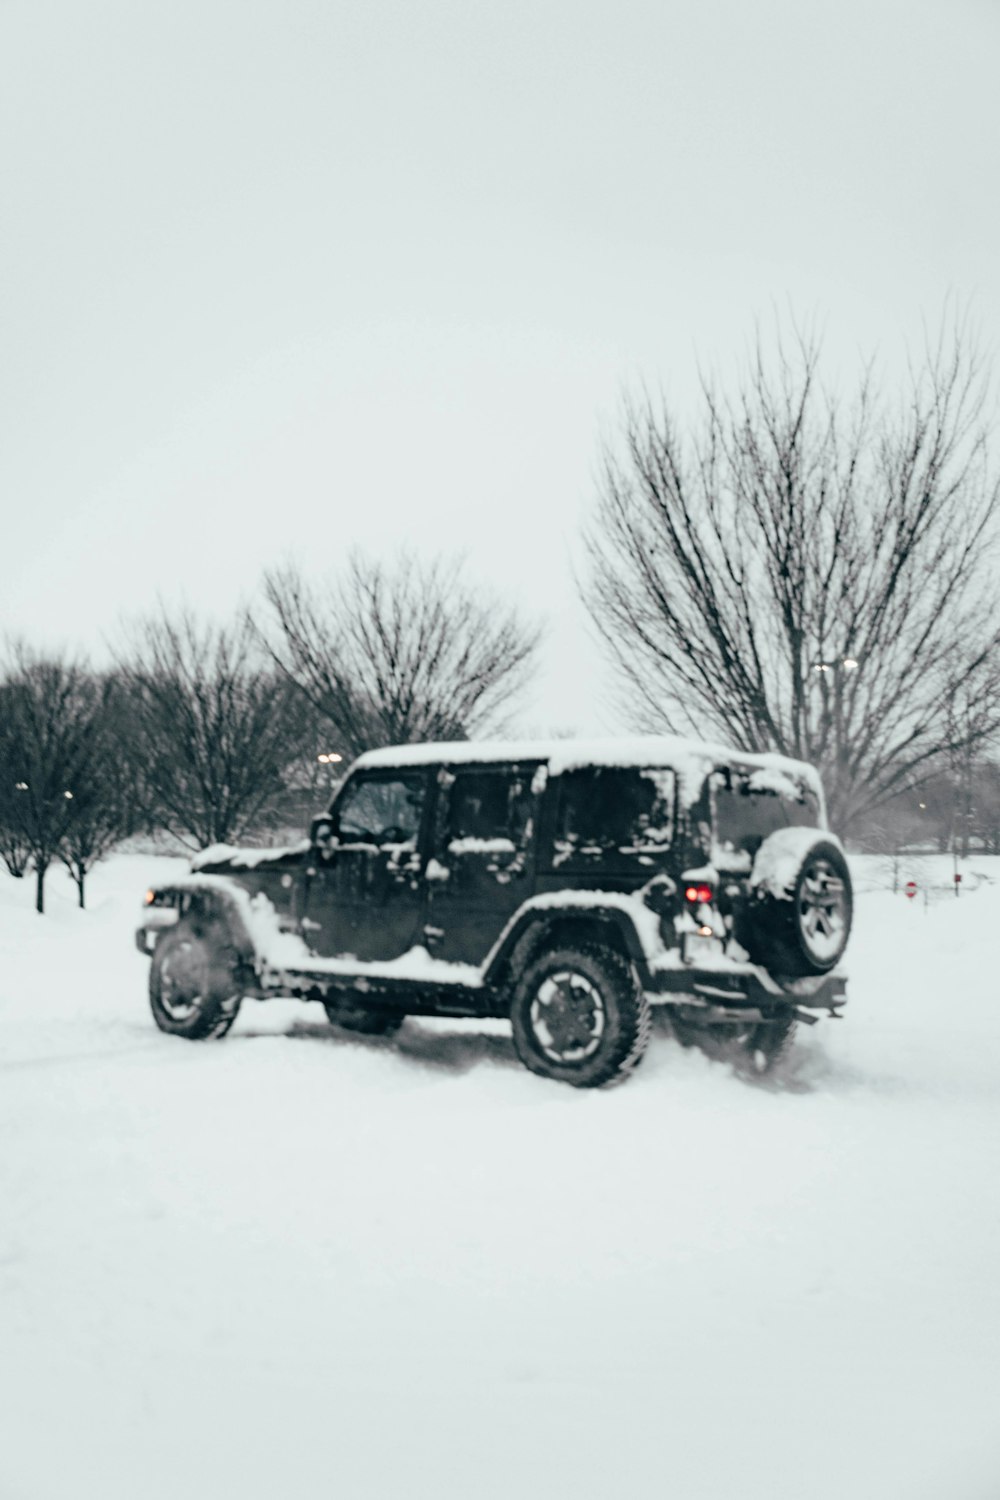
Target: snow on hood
(244, 859)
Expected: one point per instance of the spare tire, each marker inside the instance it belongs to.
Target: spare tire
(801, 903)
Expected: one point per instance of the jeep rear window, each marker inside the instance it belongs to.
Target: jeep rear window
(606, 810)
(746, 809)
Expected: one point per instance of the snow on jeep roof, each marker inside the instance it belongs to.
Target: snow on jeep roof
(691, 759)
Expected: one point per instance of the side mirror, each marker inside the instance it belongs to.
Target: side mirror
(321, 834)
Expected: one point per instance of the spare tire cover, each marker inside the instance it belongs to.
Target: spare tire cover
(801, 902)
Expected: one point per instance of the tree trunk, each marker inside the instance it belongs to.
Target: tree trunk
(40, 887)
(80, 875)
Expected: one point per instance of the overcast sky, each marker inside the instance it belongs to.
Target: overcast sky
(282, 276)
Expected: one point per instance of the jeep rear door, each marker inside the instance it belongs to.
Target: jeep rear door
(482, 857)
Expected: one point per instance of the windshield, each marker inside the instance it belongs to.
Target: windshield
(747, 806)
(381, 809)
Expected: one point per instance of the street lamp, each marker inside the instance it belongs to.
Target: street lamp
(844, 663)
(329, 758)
(839, 666)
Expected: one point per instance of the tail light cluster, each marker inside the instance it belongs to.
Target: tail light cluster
(699, 895)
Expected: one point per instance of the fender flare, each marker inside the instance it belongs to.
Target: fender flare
(528, 928)
(211, 900)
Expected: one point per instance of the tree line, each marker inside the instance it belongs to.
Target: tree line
(795, 570)
(198, 729)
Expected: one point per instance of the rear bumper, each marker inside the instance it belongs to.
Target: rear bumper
(746, 986)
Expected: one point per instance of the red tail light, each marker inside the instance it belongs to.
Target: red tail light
(698, 895)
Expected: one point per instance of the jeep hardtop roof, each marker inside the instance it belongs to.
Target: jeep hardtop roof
(691, 759)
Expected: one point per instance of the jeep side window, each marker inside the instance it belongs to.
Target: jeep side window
(488, 806)
(605, 809)
(382, 810)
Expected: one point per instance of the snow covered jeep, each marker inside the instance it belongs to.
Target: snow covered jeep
(565, 886)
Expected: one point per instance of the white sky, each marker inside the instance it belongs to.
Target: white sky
(279, 276)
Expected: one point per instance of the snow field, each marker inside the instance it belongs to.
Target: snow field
(300, 1263)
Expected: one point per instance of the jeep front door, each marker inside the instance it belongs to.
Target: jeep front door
(366, 898)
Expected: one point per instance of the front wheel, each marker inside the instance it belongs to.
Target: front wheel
(194, 985)
(579, 1016)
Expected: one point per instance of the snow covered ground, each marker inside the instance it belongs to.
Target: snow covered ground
(297, 1264)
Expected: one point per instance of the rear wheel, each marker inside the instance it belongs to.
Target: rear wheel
(767, 1047)
(194, 982)
(579, 1016)
(753, 1047)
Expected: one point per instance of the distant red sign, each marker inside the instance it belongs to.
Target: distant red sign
(910, 888)
(958, 877)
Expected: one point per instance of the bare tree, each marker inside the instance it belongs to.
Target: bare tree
(105, 805)
(14, 847)
(986, 808)
(807, 575)
(212, 726)
(51, 711)
(390, 654)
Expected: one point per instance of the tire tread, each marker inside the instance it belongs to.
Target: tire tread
(635, 1022)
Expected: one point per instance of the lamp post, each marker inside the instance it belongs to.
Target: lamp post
(329, 758)
(839, 667)
(837, 664)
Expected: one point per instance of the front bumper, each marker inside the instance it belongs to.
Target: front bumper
(154, 920)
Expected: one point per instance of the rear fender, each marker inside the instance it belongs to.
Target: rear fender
(547, 922)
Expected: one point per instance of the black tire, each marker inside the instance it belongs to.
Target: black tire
(707, 1038)
(350, 1016)
(194, 982)
(767, 1047)
(579, 1016)
(753, 1048)
(804, 929)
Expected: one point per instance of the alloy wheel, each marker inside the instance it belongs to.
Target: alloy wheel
(568, 1017)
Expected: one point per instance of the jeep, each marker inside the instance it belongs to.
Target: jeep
(566, 886)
